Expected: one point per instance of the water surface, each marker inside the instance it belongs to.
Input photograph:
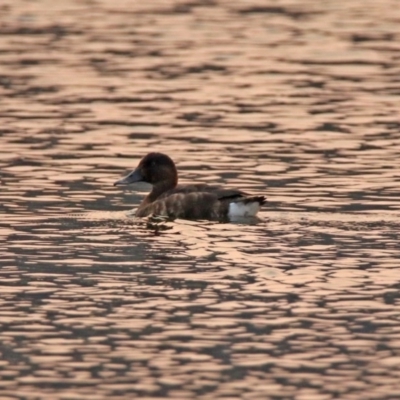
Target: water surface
(295, 100)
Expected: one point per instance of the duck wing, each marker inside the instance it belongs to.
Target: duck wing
(218, 192)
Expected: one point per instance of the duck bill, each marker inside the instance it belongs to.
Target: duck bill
(134, 176)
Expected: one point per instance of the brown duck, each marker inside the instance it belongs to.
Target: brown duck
(195, 201)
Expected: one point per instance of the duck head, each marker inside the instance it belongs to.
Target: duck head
(154, 168)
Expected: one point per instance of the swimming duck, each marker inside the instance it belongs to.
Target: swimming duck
(196, 201)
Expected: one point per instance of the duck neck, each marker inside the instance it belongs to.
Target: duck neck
(159, 189)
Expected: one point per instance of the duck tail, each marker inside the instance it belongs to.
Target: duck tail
(245, 206)
(254, 199)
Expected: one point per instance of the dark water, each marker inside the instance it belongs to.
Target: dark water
(298, 100)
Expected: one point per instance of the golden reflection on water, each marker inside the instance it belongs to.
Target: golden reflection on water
(297, 101)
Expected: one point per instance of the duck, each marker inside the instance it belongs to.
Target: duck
(197, 201)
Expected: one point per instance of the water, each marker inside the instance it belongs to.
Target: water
(294, 100)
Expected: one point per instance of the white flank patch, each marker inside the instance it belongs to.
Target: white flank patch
(243, 210)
